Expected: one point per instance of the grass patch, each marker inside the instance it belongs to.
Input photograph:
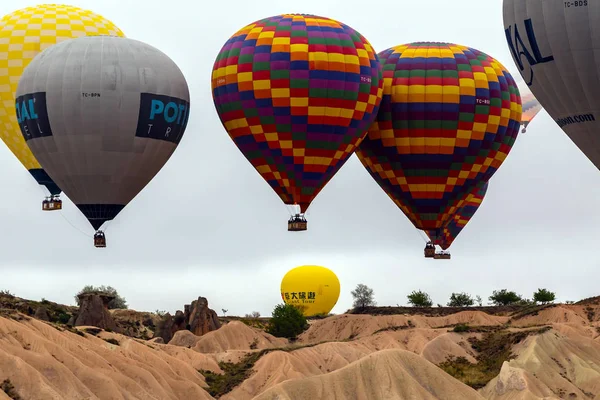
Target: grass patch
(494, 348)
(236, 373)
(461, 328)
(590, 313)
(8, 388)
(531, 310)
(394, 328)
(93, 331)
(233, 375)
(435, 311)
(466, 328)
(76, 331)
(112, 341)
(589, 301)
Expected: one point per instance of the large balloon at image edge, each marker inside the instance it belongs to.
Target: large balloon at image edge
(448, 119)
(102, 115)
(554, 44)
(314, 289)
(21, 39)
(446, 236)
(531, 107)
(296, 94)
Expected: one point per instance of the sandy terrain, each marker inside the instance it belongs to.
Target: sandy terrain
(343, 357)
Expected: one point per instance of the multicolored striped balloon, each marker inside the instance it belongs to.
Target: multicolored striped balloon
(461, 218)
(449, 117)
(531, 107)
(297, 93)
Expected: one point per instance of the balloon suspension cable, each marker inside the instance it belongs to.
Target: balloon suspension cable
(76, 228)
(293, 210)
(65, 218)
(424, 236)
(106, 225)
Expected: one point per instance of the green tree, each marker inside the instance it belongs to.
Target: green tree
(363, 296)
(461, 300)
(504, 297)
(117, 302)
(419, 299)
(544, 296)
(287, 321)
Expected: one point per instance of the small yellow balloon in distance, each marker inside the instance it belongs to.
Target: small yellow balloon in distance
(312, 288)
(23, 35)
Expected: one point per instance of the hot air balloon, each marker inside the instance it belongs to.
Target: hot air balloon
(24, 34)
(448, 118)
(102, 114)
(312, 288)
(459, 220)
(554, 45)
(296, 94)
(531, 107)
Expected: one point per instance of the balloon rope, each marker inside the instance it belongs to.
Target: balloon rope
(82, 232)
(107, 223)
(423, 236)
(63, 215)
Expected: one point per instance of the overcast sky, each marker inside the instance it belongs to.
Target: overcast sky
(209, 225)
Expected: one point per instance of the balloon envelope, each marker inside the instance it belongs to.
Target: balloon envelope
(448, 119)
(24, 34)
(313, 288)
(459, 220)
(296, 94)
(555, 46)
(102, 115)
(531, 107)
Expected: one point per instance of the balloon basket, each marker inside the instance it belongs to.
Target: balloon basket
(429, 250)
(297, 223)
(442, 256)
(99, 239)
(53, 203)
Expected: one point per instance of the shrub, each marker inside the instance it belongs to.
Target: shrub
(461, 328)
(63, 318)
(504, 297)
(461, 300)
(419, 299)
(287, 321)
(544, 296)
(117, 303)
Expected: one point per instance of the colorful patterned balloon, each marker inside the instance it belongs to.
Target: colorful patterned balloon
(297, 93)
(459, 220)
(531, 107)
(448, 119)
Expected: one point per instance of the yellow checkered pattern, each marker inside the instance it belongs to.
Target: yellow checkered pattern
(23, 35)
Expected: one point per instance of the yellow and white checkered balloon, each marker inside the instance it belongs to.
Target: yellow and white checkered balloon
(24, 34)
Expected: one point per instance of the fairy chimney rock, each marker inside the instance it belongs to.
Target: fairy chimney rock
(93, 311)
(202, 319)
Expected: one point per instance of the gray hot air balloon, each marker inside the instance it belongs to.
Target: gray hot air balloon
(102, 115)
(555, 44)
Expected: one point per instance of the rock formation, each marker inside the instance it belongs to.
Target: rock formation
(93, 311)
(201, 318)
(41, 313)
(196, 318)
